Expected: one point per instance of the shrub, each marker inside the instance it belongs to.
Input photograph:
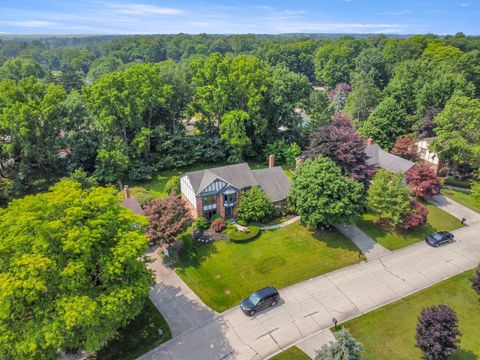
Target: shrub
(421, 180)
(405, 147)
(255, 205)
(345, 347)
(172, 187)
(218, 225)
(437, 332)
(416, 217)
(200, 224)
(243, 236)
(242, 222)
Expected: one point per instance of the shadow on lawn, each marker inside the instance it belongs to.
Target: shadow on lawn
(192, 253)
(462, 354)
(334, 239)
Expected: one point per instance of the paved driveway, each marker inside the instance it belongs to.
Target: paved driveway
(308, 307)
(455, 209)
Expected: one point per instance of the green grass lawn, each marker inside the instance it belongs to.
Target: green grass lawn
(293, 353)
(223, 273)
(389, 332)
(437, 220)
(138, 337)
(463, 198)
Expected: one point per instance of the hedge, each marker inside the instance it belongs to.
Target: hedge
(239, 236)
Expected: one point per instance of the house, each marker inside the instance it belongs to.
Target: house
(430, 157)
(216, 191)
(131, 203)
(378, 157)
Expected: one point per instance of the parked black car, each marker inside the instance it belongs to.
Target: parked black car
(259, 300)
(439, 238)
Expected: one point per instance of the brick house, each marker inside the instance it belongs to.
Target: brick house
(425, 154)
(216, 191)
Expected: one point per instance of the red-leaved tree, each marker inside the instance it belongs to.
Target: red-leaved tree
(166, 219)
(344, 146)
(421, 180)
(416, 217)
(405, 147)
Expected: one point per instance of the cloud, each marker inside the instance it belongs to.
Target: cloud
(340, 27)
(464, 4)
(145, 9)
(396, 13)
(33, 23)
(294, 12)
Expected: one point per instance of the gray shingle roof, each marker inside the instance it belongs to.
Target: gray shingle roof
(274, 182)
(387, 161)
(133, 205)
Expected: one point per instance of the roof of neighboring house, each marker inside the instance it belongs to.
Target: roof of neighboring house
(274, 182)
(133, 205)
(387, 161)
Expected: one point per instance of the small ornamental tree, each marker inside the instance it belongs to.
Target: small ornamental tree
(172, 187)
(166, 219)
(344, 146)
(405, 147)
(388, 198)
(416, 217)
(255, 205)
(344, 348)
(421, 180)
(437, 332)
(322, 196)
(476, 281)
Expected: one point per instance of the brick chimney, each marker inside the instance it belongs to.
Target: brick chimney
(369, 141)
(126, 192)
(271, 161)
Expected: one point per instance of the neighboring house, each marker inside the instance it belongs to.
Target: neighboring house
(216, 191)
(430, 157)
(385, 160)
(131, 203)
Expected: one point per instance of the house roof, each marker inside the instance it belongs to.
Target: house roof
(274, 182)
(385, 160)
(133, 205)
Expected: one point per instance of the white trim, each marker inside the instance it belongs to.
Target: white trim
(187, 190)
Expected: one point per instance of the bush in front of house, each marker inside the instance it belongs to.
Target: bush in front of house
(200, 224)
(255, 205)
(416, 217)
(218, 225)
(243, 236)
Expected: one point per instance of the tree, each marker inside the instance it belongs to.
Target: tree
(437, 332)
(343, 145)
(417, 216)
(476, 281)
(172, 187)
(364, 97)
(319, 109)
(321, 195)
(83, 178)
(72, 260)
(167, 218)
(344, 348)
(233, 132)
(422, 180)
(427, 124)
(20, 68)
(457, 130)
(386, 123)
(255, 205)
(476, 191)
(284, 153)
(405, 147)
(333, 63)
(69, 78)
(372, 63)
(388, 198)
(338, 96)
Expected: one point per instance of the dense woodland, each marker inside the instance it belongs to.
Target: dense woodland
(123, 108)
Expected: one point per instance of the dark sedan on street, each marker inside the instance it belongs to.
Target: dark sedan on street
(439, 238)
(259, 300)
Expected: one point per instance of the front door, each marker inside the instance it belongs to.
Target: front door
(229, 212)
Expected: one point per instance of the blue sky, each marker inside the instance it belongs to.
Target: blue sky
(249, 16)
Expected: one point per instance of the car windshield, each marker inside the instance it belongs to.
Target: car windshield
(438, 236)
(254, 298)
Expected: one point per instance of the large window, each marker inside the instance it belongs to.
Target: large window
(209, 202)
(229, 199)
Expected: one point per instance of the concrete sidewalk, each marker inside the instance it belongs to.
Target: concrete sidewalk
(307, 308)
(283, 224)
(455, 209)
(369, 247)
(311, 345)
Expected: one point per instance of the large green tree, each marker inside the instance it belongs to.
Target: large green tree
(333, 63)
(255, 205)
(72, 271)
(322, 196)
(21, 68)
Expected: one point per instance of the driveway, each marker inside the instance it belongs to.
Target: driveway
(308, 307)
(455, 209)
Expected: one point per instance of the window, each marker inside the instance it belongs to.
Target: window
(229, 199)
(209, 201)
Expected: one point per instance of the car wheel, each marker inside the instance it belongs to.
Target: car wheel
(273, 304)
(252, 312)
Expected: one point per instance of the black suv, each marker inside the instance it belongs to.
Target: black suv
(259, 300)
(439, 238)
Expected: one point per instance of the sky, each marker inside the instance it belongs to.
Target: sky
(247, 16)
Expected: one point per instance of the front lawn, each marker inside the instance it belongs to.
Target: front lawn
(293, 353)
(389, 332)
(464, 198)
(437, 220)
(138, 337)
(222, 273)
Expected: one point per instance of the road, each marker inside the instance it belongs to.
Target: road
(308, 307)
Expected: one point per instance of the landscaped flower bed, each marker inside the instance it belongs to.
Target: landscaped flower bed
(238, 236)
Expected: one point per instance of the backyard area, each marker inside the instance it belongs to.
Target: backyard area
(389, 332)
(222, 273)
(464, 198)
(438, 220)
(138, 337)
